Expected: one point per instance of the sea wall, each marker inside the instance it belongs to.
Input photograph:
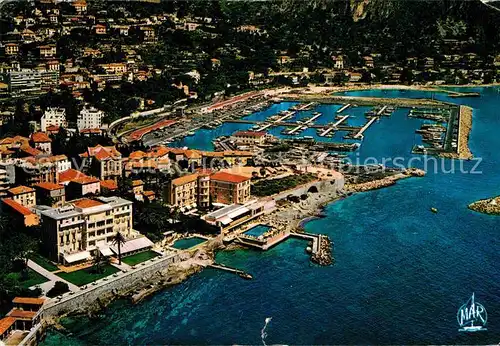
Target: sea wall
(322, 186)
(365, 101)
(106, 288)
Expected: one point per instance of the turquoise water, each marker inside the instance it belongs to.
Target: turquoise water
(258, 230)
(187, 243)
(400, 275)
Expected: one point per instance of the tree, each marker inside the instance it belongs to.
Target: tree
(119, 240)
(58, 289)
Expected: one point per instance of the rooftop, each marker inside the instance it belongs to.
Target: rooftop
(49, 186)
(185, 179)
(28, 300)
(18, 190)
(22, 314)
(6, 323)
(21, 209)
(109, 184)
(40, 137)
(86, 203)
(228, 177)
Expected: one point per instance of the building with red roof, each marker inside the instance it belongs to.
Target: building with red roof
(104, 162)
(229, 188)
(250, 137)
(42, 142)
(23, 195)
(19, 212)
(51, 194)
(201, 188)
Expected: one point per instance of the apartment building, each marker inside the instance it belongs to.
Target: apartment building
(114, 68)
(23, 82)
(76, 231)
(229, 188)
(48, 51)
(6, 177)
(90, 118)
(24, 195)
(53, 117)
(202, 188)
(42, 142)
(31, 170)
(51, 193)
(183, 192)
(104, 162)
(11, 48)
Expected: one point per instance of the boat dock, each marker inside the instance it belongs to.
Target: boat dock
(381, 110)
(291, 124)
(296, 129)
(304, 125)
(359, 135)
(334, 126)
(239, 272)
(286, 115)
(344, 108)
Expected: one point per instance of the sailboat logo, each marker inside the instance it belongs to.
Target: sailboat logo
(472, 316)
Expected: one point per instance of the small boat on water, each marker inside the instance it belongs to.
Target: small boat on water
(245, 276)
(434, 210)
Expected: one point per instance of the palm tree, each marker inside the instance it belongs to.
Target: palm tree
(118, 240)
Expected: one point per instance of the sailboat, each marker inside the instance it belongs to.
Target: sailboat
(472, 316)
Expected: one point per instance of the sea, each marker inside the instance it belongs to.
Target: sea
(401, 272)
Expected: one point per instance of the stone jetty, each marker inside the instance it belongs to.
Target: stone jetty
(323, 256)
(384, 182)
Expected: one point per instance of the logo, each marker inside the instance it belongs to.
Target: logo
(472, 316)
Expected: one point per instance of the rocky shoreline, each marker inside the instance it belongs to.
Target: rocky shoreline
(490, 206)
(384, 182)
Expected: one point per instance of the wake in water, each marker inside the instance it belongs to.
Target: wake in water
(263, 333)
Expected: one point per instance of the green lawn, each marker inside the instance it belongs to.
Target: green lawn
(139, 257)
(43, 262)
(32, 279)
(85, 276)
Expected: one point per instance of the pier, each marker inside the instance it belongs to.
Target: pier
(344, 108)
(296, 129)
(291, 124)
(238, 272)
(287, 114)
(381, 110)
(304, 125)
(359, 135)
(334, 126)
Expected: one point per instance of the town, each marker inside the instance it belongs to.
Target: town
(100, 197)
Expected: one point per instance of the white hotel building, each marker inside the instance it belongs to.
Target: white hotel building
(90, 118)
(77, 231)
(53, 116)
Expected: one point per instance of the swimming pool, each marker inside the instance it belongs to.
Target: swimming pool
(257, 230)
(187, 243)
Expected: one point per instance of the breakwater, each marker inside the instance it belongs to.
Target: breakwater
(365, 101)
(384, 182)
